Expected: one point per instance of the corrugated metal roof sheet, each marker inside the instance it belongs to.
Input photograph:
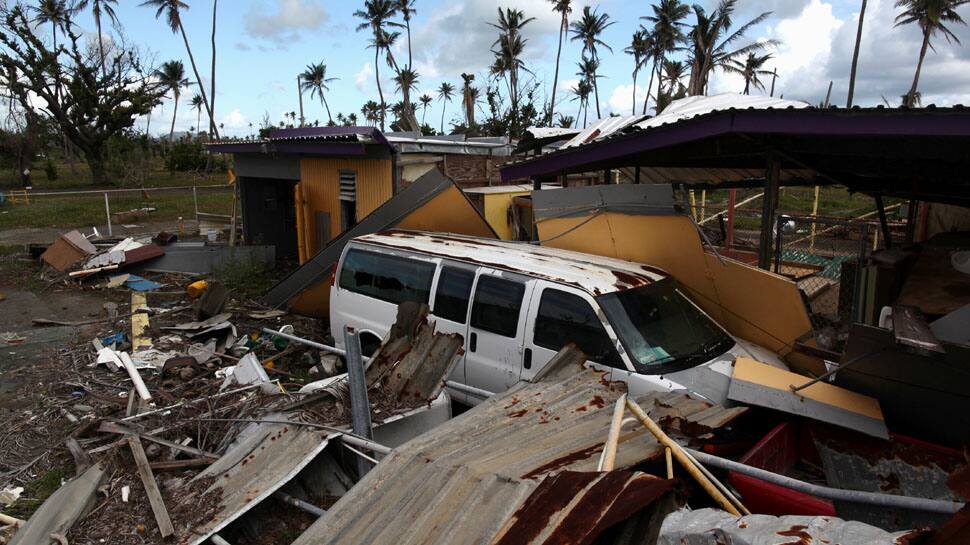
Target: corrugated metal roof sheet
(594, 273)
(464, 481)
(600, 129)
(689, 107)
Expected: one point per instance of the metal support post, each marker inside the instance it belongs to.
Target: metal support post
(770, 201)
(359, 404)
(107, 212)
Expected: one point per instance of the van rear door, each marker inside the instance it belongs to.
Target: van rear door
(496, 330)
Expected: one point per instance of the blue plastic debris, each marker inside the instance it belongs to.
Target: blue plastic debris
(138, 283)
(114, 338)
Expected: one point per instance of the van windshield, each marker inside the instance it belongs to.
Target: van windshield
(661, 329)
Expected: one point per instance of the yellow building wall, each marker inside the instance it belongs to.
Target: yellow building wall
(751, 303)
(447, 212)
(320, 192)
(497, 212)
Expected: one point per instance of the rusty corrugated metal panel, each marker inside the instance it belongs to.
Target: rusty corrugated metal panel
(572, 508)
(463, 481)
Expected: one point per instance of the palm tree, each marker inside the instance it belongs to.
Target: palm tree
(171, 76)
(406, 80)
(588, 69)
(212, 73)
(375, 15)
(751, 70)
(445, 92)
(508, 55)
(99, 7)
(581, 92)
(425, 101)
(930, 15)
(315, 80)
(407, 10)
(58, 14)
(171, 9)
(709, 39)
(468, 98)
(855, 55)
(588, 29)
(640, 47)
(673, 73)
(668, 33)
(196, 104)
(371, 111)
(563, 8)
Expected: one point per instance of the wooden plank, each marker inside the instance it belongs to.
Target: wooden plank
(113, 427)
(151, 487)
(139, 323)
(176, 465)
(911, 329)
(82, 460)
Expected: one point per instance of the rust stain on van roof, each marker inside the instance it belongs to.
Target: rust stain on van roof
(594, 274)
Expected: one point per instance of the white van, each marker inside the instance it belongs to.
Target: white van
(518, 304)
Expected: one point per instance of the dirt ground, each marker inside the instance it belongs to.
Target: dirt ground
(36, 235)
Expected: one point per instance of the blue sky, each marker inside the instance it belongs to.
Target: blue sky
(264, 44)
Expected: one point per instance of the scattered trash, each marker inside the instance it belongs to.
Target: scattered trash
(67, 250)
(12, 338)
(197, 288)
(138, 283)
(9, 495)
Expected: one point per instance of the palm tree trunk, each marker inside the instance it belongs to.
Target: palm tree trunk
(325, 105)
(424, 114)
(410, 60)
(635, 70)
(212, 78)
(596, 95)
(911, 96)
(171, 132)
(198, 119)
(555, 78)
(195, 70)
(97, 22)
(443, 116)
(747, 85)
(380, 93)
(148, 124)
(653, 72)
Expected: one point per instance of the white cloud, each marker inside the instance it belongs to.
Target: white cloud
(283, 21)
(235, 120)
(363, 78)
(621, 99)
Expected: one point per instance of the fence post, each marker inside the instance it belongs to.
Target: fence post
(779, 227)
(107, 212)
(195, 200)
(811, 245)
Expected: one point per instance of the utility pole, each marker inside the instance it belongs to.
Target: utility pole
(855, 54)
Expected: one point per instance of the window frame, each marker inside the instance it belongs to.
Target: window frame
(442, 267)
(487, 277)
(619, 363)
(382, 253)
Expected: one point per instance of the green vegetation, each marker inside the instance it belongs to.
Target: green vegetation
(82, 211)
(38, 490)
(248, 278)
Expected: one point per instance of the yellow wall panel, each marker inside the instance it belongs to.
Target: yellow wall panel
(497, 212)
(751, 303)
(320, 191)
(447, 212)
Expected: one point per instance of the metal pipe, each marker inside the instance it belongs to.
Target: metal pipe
(217, 539)
(359, 404)
(366, 444)
(299, 504)
(312, 344)
(464, 388)
(856, 496)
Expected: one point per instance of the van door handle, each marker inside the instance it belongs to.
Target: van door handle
(472, 342)
(527, 359)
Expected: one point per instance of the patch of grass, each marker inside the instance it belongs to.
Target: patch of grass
(38, 490)
(17, 269)
(88, 209)
(79, 177)
(247, 277)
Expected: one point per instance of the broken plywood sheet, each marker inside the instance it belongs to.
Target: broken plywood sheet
(762, 385)
(67, 250)
(62, 509)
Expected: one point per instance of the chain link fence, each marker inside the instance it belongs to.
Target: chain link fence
(825, 258)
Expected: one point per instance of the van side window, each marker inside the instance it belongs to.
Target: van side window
(497, 304)
(564, 317)
(454, 289)
(386, 277)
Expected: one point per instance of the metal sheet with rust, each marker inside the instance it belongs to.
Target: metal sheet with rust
(572, 508)
(463, 481)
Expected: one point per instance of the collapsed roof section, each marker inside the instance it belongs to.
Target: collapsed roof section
(904, 152)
